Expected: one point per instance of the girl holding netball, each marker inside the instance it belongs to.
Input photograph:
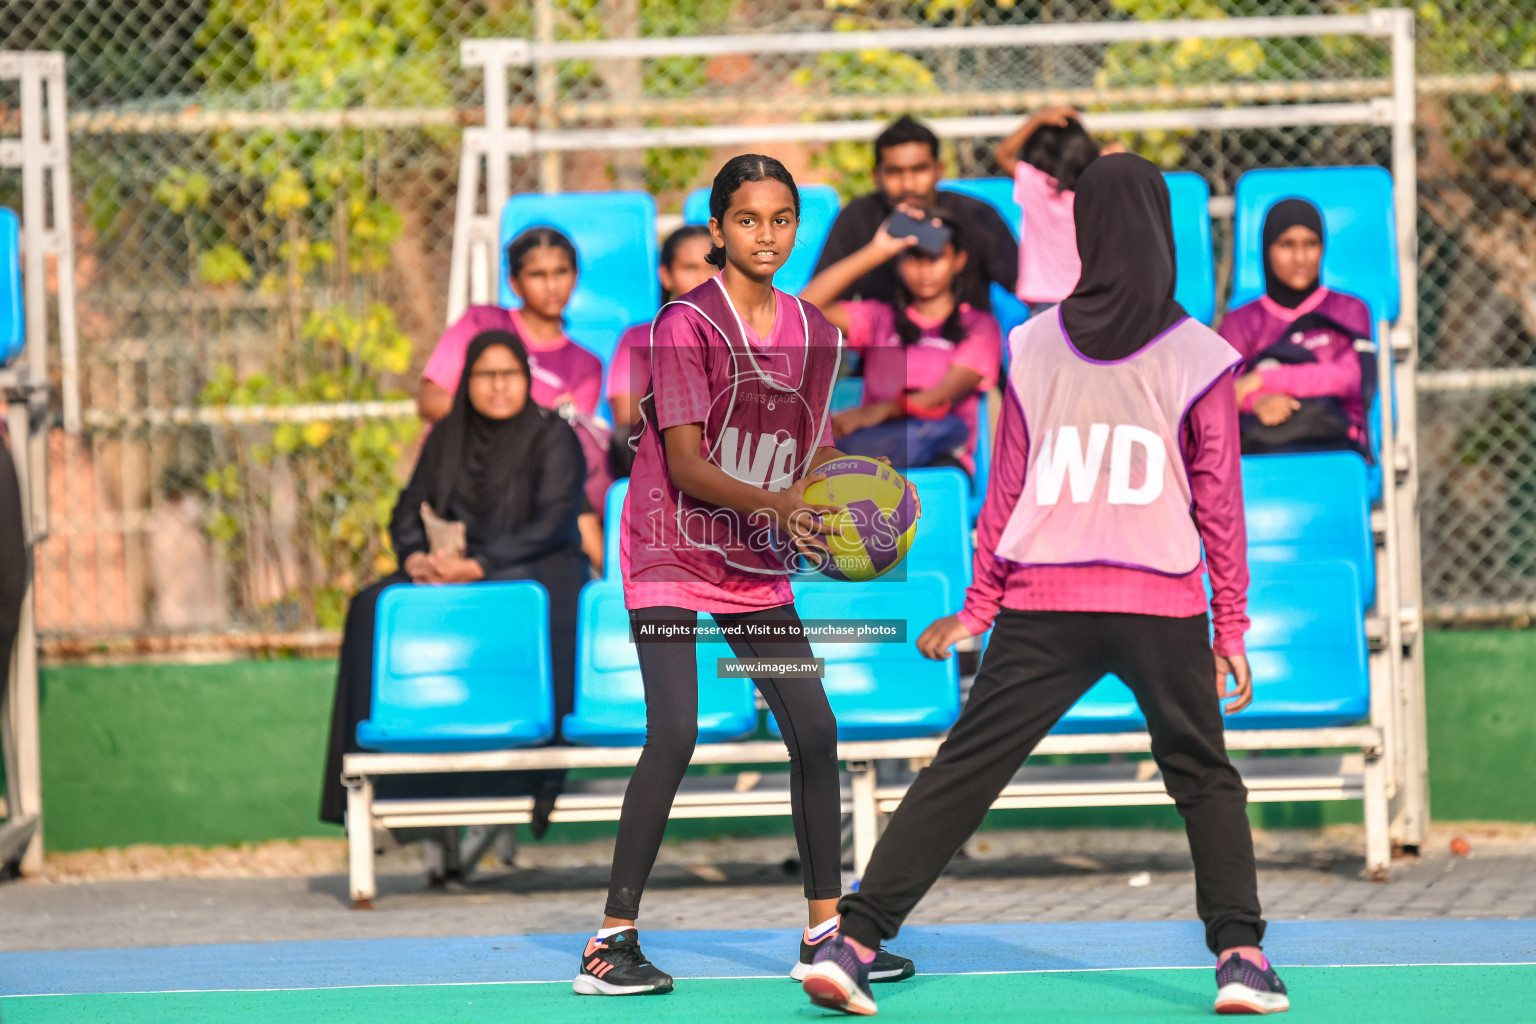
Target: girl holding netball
(734, 426)
(1117, 462)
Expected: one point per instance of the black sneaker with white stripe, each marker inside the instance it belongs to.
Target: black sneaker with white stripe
(615, 967)
(886, 967)
(1242, 986)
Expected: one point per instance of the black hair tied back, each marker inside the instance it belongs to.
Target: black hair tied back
(541, 237)
(1062, 151)
(737, 172)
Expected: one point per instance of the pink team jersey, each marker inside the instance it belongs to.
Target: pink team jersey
(563, 371)
(764, 404)
(629, 371)
(1255, 326)
(1048, 262)
(891, 367)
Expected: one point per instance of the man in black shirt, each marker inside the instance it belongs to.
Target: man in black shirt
(908, 169)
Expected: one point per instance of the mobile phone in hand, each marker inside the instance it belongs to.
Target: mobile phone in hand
(931, 238)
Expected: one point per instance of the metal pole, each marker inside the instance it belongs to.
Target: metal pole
(34, 220)
(1410, 818)
(463, 236)
(64, 244)
(546, 88)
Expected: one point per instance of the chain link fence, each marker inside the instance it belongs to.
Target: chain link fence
(264, 210)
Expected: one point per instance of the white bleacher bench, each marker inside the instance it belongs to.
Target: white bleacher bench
(1355, 773)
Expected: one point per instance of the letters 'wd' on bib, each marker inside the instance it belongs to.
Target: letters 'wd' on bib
(1106, 482)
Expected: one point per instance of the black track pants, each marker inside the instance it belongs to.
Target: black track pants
(1036, 666)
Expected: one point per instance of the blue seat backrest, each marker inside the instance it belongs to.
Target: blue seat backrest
(998, 194)
(1190, 197)
(460, 667)
(995, 192)
(882, 688)
(615, 238)
(819, 206)
(1360, 252)
(613, 522)
(847, 393)
(13, 336)
(1310, 507)
(1306, 647)
(983, 456)
(610, 696)
(943, 540)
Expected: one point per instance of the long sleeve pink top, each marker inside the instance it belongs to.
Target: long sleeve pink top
(1212, 460)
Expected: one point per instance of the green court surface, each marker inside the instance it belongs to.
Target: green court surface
(1338, 995)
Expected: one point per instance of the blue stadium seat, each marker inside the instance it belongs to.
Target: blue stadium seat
(1191, 202)
(819, 205)
(995, 192)
(998, 194)
(884, 690)
(943, 540)
(615, 238)
(610, 697)
(983, 454)
(13, 337)
(613, 520)
(461, 667)
(1306, 648)
(1310, 507)
(1360, 256)
(1190, 196)
(847, 393)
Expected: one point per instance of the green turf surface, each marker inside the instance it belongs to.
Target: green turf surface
(1353, 995)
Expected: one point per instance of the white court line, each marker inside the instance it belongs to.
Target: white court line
(733, 977)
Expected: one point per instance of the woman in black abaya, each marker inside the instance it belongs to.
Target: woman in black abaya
(512, 473)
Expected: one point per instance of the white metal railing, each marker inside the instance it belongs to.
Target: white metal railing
(485, 170)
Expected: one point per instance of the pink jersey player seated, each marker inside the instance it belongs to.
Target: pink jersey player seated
(1308, 360)
(926, 361)
(567, 378)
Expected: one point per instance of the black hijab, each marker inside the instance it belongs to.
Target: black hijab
(1124, 222)
(1284, 215)
(485, 466)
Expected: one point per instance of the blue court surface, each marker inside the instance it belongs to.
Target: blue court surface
(1390, 971)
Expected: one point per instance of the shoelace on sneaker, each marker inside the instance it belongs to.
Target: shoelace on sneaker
(628, 952)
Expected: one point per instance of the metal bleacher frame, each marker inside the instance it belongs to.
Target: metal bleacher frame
(41, 153)
(1382, 762)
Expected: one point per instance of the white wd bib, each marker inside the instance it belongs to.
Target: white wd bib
(1105, 482)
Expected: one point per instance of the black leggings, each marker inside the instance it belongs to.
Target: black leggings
(672, 728)
(1036, 666)
(15, 566)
